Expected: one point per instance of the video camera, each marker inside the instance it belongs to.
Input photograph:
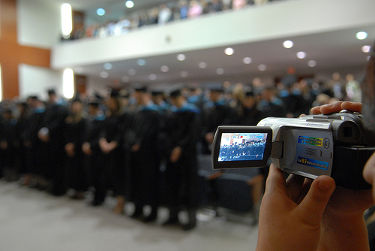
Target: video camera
(336, 145)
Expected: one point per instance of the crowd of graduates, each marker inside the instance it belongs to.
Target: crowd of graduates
(142, 145)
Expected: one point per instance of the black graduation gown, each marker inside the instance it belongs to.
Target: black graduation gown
(114, 161)
(94, 163)
(8, 135)
(76, 174)
(144, 168)
(182, 176)
(248, 116)
(54, 121)
(21, 155)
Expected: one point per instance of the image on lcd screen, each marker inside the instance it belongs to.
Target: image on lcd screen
(242, 146)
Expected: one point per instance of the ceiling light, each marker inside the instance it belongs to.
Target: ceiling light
(366, 48)
(184, 74)
(181, 57)
(68, 83)
(107, 66)
(288, 44)
(202, 65)
(164, 68)
(361, 35)
(219, 71)
(129, 4)
(262, 67)
(104, 74)
(301, 54)
(152, 76)
(66, 20)
(311, 63)
(141, 62)
(247, 60)
(132, 72)
(229, 51)
(100, 12)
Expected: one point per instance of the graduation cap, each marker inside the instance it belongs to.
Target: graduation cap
(217, 89)
(51, 92)
(249, 94)
(156, 93)
(142, 89)
(175, 93)
(114, 93)
(34, 97)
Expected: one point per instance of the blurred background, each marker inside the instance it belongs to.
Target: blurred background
(109, 107)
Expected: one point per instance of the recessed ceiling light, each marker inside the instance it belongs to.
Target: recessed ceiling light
(129, 4)
(202, 65)
(181, 57)
(229, 51)
(107, 66)
(262, 67)
(184, 74)
(366, 48)
(100, 12)
(301, 54)
(132, 72)
(164, 68)
(288, 44)
(104, 74)
(247, 60)
(219, 71)
(141, 62)
(152, 76)
(361, 35)
(311, 63)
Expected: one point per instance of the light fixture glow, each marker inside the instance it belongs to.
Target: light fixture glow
(311, 63)
(219, 71)
(141, 62)
(100, 12)
(68, 83)
(288, 44)
(164, 68)
(366, 48)
(107, 66)
(301, 54)
(104, 74)
(229, 51)
(132, 72)
(129, 4)
(202, 65)
(66, 20)
(1, 85)
(262, 67)
(181, 57)
(361, 35)
(247, 60)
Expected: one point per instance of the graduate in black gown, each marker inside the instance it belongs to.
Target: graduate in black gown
(144, 168)
(248, 113)
(110, 143)
(74, 130)
(181, 172)
(7, 144)
(94, 159)
(20, 148)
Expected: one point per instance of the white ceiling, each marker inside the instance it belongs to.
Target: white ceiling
(331, 50)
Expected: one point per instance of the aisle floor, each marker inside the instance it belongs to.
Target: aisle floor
(35, 221)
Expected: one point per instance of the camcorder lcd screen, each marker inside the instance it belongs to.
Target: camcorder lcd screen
(242, 146)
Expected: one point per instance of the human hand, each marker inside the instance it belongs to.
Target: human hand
(86, 148)
(337, 107)
(175, 154)
(291, 211)
(69, 149)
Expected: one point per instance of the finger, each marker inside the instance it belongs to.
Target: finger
(294, 186)
(313, 205)
(275, 181)
(369, 173)
(351, 106)
(315, 110)
(331, 108)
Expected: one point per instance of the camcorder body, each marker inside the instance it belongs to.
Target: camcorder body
(336, 145)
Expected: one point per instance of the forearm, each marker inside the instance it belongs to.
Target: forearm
(343, 233)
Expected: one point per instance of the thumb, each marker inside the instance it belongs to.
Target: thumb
(312, 207)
